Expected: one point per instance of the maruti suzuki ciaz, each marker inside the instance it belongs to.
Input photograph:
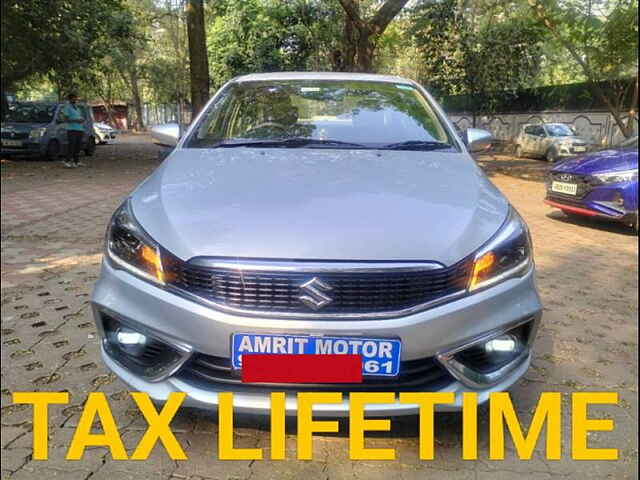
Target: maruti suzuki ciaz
(318, 213)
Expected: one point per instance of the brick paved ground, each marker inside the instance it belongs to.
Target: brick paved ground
(53, 222)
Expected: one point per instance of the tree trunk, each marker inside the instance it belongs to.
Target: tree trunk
(132, 84)
(137, 100)
(348, 59)
(367, 33)
(632, 110)
(366, 48)
(198, 61)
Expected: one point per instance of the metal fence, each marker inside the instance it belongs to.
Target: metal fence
(157, 114)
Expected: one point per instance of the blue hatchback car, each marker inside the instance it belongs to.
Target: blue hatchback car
(602, 184)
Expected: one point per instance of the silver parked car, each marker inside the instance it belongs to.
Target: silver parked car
(551, 141)
(313, 213)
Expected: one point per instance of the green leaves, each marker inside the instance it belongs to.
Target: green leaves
(257, 36)
(486, 50)
(57, 37)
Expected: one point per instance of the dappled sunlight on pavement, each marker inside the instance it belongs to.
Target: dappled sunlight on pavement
(588, 279)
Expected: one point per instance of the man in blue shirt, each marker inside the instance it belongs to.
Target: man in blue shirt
(74, 120)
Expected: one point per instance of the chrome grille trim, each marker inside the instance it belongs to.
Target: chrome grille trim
(281, 294)
(311, 266)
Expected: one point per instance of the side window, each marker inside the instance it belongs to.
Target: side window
(541, 132)
(530, 130)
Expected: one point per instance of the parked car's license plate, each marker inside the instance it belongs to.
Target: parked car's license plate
(568, 188)
(380, 356)
(11, 143)
(579, 149)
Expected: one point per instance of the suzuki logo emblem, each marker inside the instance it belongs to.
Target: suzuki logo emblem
(566, 178)
(313, 294)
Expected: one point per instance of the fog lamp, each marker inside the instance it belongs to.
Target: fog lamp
(138, 352)
(617, 199)
(494, 353)
(130, 341)
(503, 344)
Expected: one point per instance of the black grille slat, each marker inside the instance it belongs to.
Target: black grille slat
(585, 185)
(415, 375)
(357, 292)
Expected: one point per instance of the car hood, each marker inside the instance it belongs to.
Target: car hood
(599, 162)
(319, 204)
(20, 127)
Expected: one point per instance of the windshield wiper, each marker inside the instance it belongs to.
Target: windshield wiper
(417, 145)
(292, 142)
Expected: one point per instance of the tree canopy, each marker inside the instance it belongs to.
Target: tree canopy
(140, 50)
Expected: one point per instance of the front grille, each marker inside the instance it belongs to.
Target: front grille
(585, 185)
(423, 375)
(351, 292)
(14, 136)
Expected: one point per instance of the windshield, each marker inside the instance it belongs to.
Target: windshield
(30, 113)
(559, 130)
(321, 114)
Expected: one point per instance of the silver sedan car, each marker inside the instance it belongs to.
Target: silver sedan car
(318, 213)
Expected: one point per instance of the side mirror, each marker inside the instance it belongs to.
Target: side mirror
(478, 140)
(166, 135)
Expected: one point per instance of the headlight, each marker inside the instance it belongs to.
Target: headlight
(508, 254)
(37, 132)
(131, 248)
(618, 177)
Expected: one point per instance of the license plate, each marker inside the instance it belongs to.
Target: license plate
(380, 356)
(579, 149)
(568, 188)
(11, 143)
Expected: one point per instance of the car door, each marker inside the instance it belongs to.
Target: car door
(61, 129)
(539, 138)
(545, 141)
(528, 139)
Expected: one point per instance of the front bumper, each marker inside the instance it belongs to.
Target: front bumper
(618, 202)
(197, 328)
(27, 148)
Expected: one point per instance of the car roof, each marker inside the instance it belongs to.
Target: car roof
(29, 102)
(47, 104)
(277, 76)
(543, 124)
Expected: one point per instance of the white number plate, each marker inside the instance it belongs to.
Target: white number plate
(568, 188)
(579, 149)
(380, 356)
(11, 143)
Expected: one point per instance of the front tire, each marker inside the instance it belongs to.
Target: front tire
(552, 156)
